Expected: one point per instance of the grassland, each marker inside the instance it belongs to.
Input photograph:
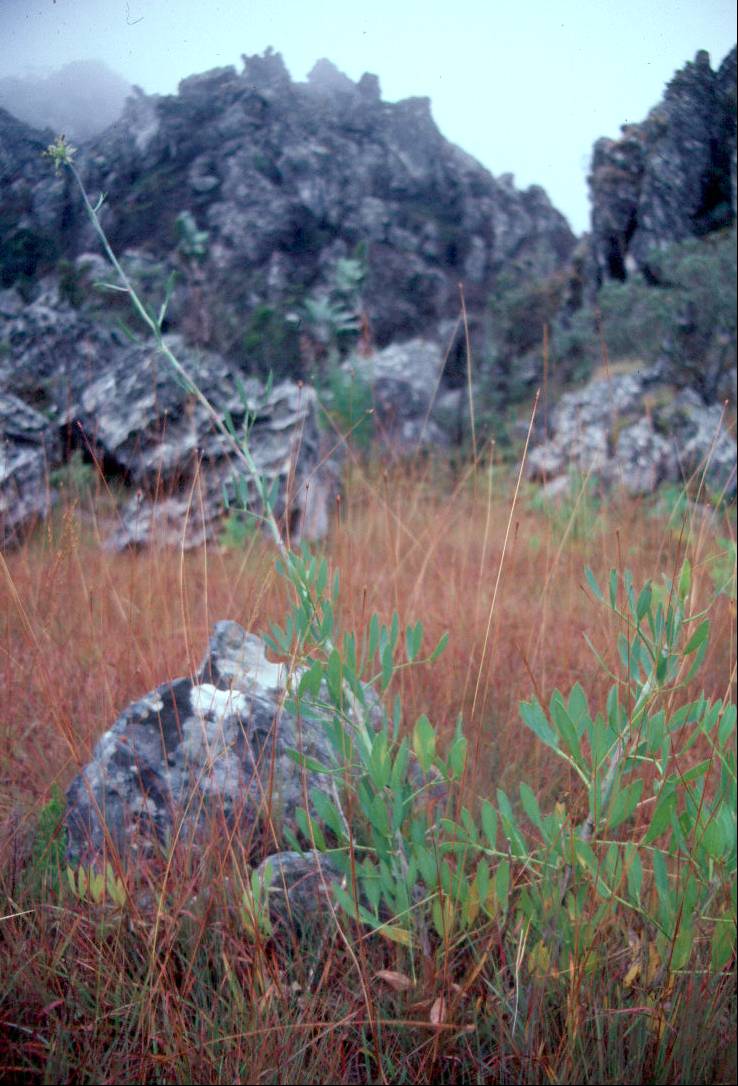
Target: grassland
(170, 987)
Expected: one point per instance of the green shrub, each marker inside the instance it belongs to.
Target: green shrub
(688, 318)
(192, 242)
(76, 477)
(271, 343)
(348, 400)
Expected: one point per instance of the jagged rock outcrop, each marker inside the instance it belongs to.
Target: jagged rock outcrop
(284, 179)
(634, 431)
(122, 404)
(403, 386)
(29, 447)
(32, 204)
(202, 750)
(670, 178)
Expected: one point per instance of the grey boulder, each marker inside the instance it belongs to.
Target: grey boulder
(211, 750)
(631, 430)
(29, 446)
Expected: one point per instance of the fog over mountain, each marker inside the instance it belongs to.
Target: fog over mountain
(80, 99)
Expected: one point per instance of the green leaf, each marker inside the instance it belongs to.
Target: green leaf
(534, 717)
(394, 630)
(613, 710)
(306, 762)
(701, 634)
(624, 803)
(310, 829)
(661, 878)
(727, 725)
(380, 765)
(635, 872)
(399, 769)
(661, 819)
(345, 900)
(592, 581)
(334, 676)
(578, 708)
(530, 806)
(628, 582)
(322, 579)
(439, 648)
(427, 866)
(682, 948)
(714, 840)
(424, 742)
(387, 666)
(457, 753)
(696, 771)
(396, 715)
(510, 826)
(655, 731)
(722, 946)
(373, 636)
(489, 823)
(684, 584)
(565, 727)
(502, 884)
(414, 640)
(482, 879)
(328, 813)
(311, 680)
(377, 813)
(390, 931)
(644, 601)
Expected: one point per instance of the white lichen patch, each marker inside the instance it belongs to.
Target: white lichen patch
(207, 701)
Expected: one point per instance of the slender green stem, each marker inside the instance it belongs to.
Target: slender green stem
(241, 450)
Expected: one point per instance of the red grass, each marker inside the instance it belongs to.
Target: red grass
(85, 631)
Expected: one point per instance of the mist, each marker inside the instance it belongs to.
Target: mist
(80, 99)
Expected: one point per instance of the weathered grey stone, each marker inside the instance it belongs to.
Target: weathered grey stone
(198, 751)
(404, 379)
(124, 403)
(611, 430)
(643, 458)
(705, 445)
(29, 447)
(669, 178)
(300, 896)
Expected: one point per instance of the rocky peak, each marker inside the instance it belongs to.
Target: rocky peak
(326, 78)
(669, 178)
(267, 72)
(281, 181)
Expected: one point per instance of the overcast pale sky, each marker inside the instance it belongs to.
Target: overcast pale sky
(525, 87)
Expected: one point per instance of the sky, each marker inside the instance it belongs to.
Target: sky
(525, 87)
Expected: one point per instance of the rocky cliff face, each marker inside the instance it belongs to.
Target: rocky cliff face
(670, 178)
(281, 181)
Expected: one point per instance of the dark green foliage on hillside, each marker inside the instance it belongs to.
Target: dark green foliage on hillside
(271, 343)
(686, 315)
(682, 314)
